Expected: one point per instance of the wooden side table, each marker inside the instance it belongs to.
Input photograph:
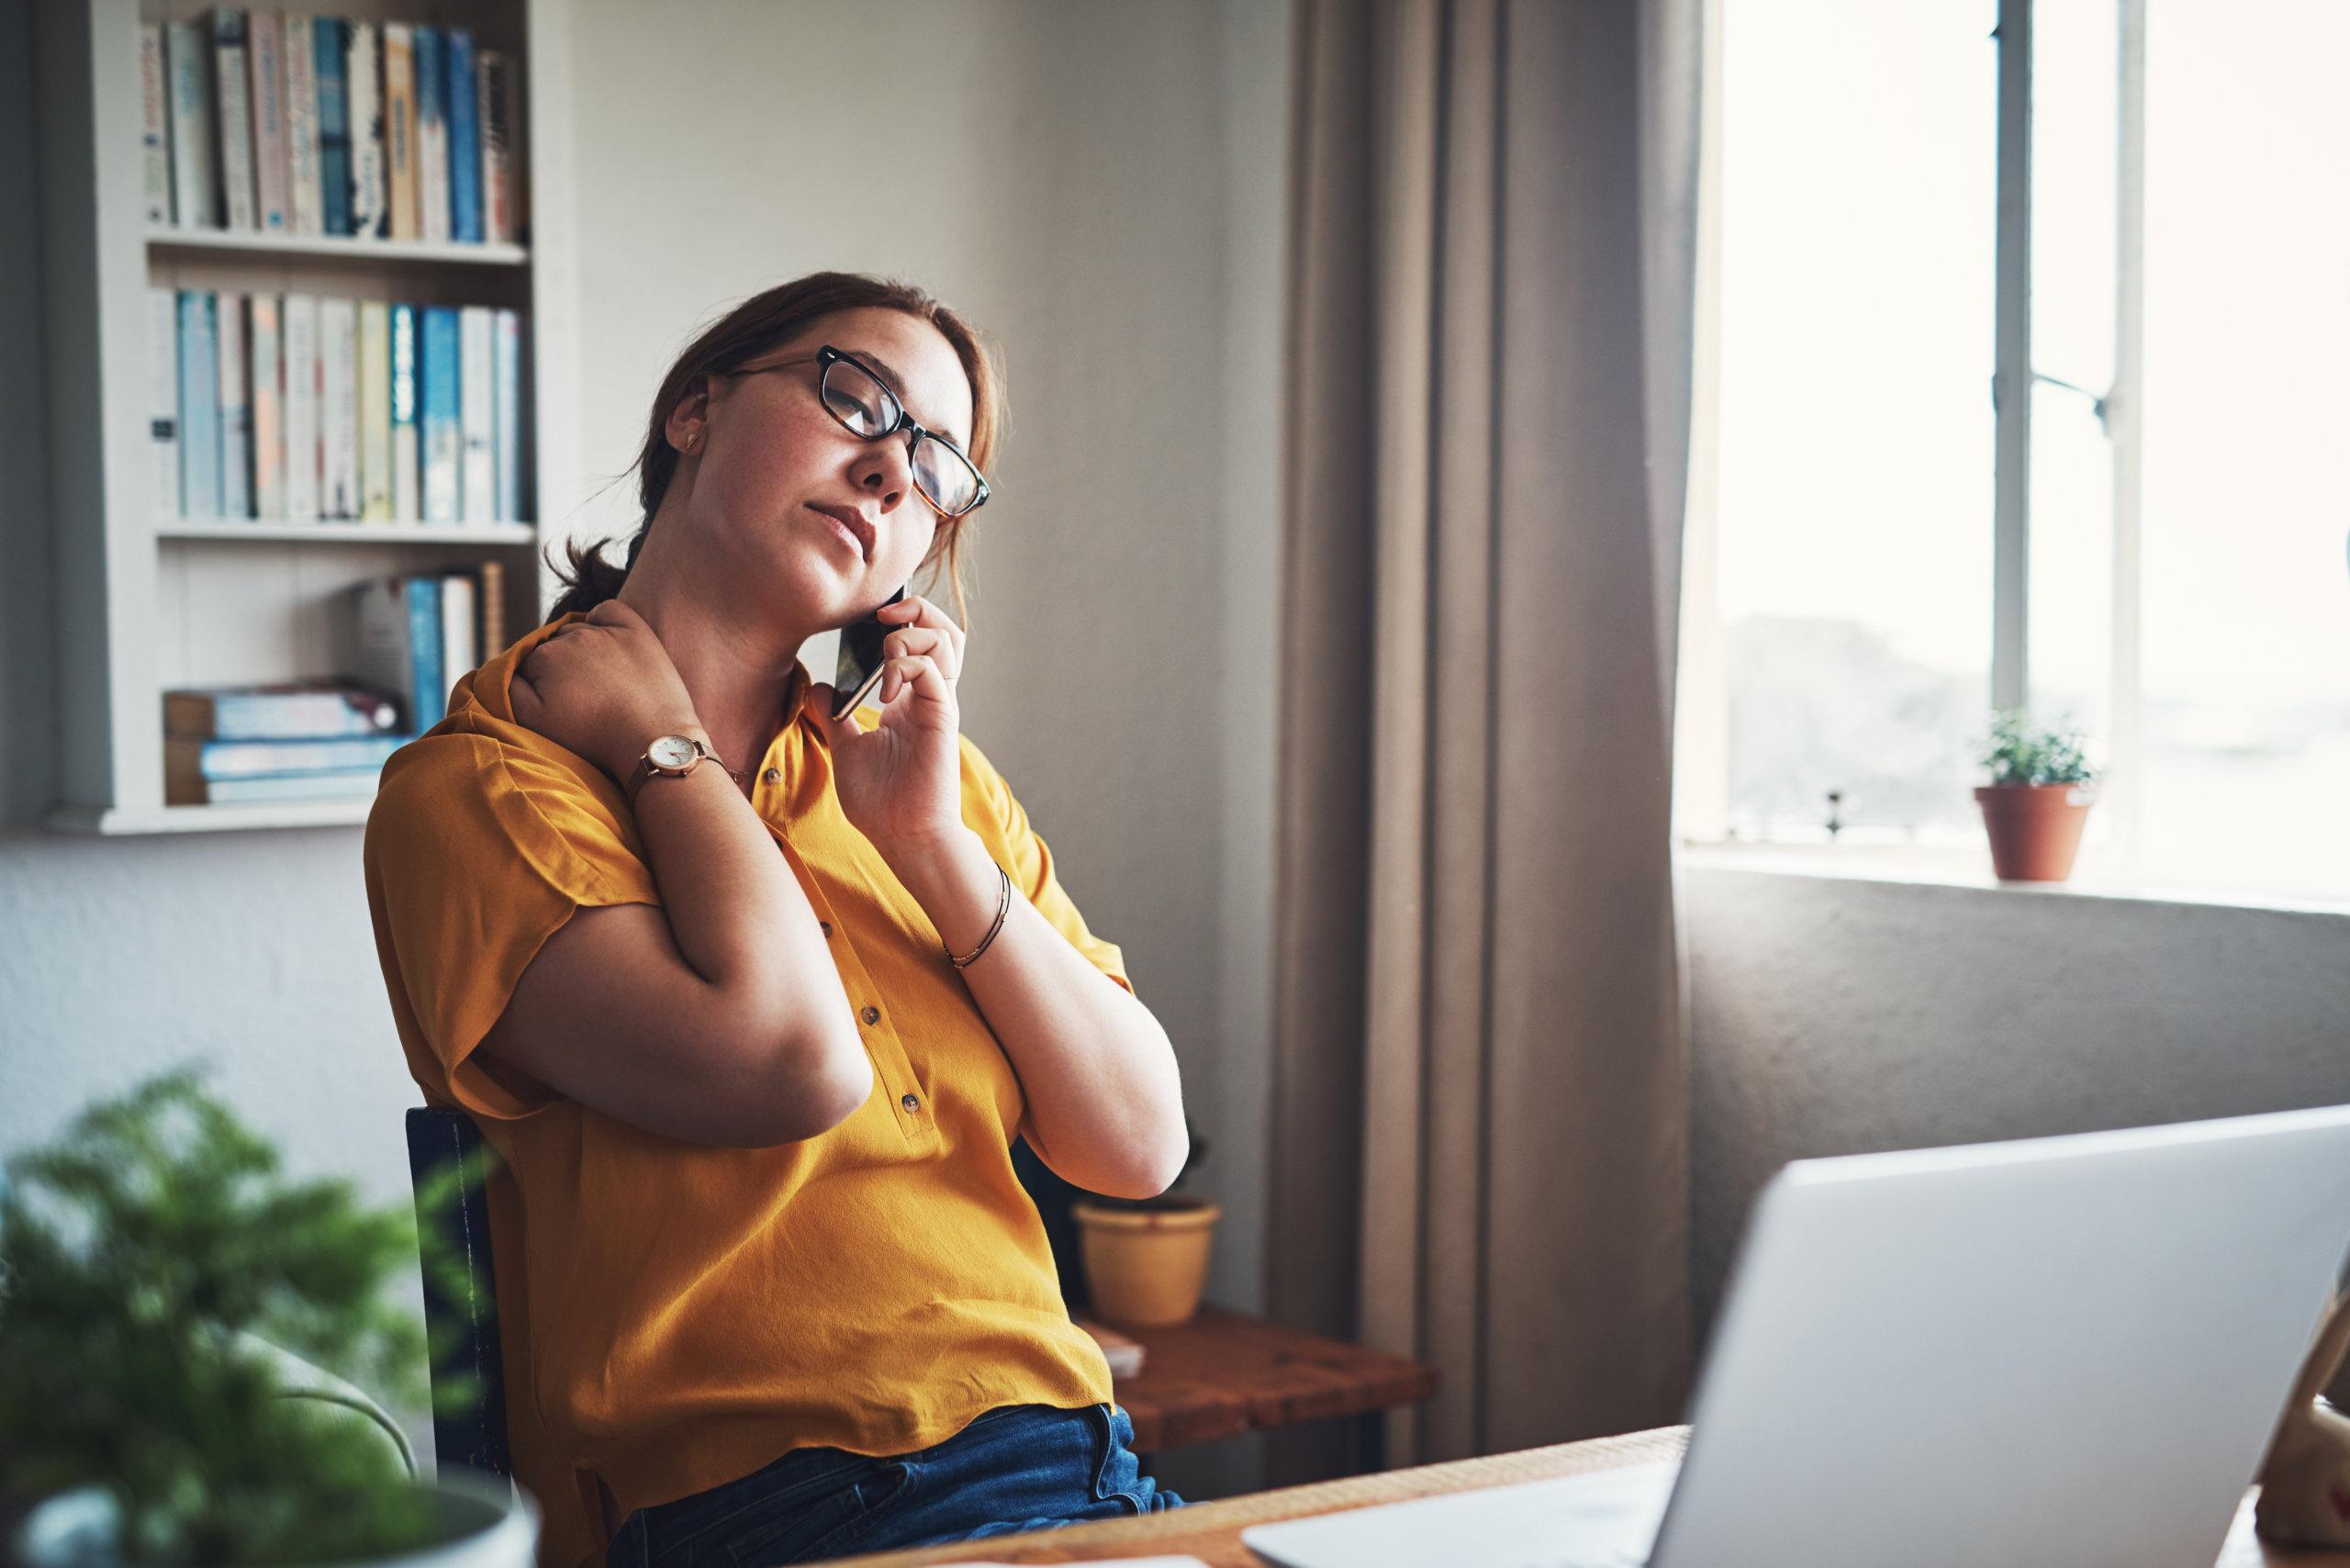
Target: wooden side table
(1225, 1373)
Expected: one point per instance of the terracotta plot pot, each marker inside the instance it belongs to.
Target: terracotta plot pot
(2035, 829)
(1146, 1265)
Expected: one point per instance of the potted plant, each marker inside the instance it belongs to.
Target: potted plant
(2038, 799)
(1146, 1259)
(161, 1285)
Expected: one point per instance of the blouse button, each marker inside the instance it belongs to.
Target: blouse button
(871, 1015)
(825, 926)
(772, 776)
(910, 1103)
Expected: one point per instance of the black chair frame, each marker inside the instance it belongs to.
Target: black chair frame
(460, 1303)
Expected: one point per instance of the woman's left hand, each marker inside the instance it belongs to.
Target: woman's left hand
(903, 782)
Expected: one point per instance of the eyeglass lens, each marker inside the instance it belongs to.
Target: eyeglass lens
(854, 396)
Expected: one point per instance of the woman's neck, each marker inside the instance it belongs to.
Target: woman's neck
(737, 670)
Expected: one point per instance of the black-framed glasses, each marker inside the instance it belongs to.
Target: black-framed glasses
(947, 479)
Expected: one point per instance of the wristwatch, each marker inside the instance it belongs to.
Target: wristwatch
(669, 756)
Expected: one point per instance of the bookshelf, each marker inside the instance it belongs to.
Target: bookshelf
(146, 603)
(252, 532)
(160, 241)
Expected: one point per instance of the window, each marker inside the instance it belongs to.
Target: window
(1847, 550)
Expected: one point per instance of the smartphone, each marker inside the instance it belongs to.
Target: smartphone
(861, 660)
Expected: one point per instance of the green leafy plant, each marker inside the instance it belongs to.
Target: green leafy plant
(138, 1255)
(2019, 752)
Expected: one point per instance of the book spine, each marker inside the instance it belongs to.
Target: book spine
(517, 162)
(459, 650)
(344, 784)
(432, 132)
(262, 759)
(408, 499)
(154, 127)
(236, 116)
(506, 353)
(199, 405)
(265, 36)
(163, 396)
(375, 411)
(265, 373)
(380, 656)
(399, 130)
(298, 326)
(362, 85)
(329, 59)
(465, 140)
(476, 413)
(493, 608)
(443, 436)
(236, 410)
(338, 408)
(301, 98)
(495, 117)
(194, 192)
(424, 649)
(331, 714)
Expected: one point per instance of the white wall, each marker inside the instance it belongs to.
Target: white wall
(1839, 1017)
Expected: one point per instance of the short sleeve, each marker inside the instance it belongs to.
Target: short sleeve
(478, 850)
(990, 811)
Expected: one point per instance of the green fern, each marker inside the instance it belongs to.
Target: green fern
(132, 1253)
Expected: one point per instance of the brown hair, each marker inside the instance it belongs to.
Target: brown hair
(758, 326)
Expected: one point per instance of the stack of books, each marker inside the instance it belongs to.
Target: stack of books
(1123, 1351)
(303, 741)
(292, 408)
(404, 641)
(285, 124)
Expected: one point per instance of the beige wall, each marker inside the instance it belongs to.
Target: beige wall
(1835, 1016)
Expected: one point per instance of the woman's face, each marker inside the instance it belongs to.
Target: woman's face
(827, 521)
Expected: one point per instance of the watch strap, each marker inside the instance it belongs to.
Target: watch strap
(646, 769)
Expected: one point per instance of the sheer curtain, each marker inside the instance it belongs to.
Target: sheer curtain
(1480, 1123)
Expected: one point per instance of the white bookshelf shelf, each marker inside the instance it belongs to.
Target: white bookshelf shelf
(338, 247)
(249, 531)
(121, 822)
(149, 603)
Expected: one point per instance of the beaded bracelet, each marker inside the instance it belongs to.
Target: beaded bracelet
(1002, 908)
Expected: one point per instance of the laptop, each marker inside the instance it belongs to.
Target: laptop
(2066, 1350)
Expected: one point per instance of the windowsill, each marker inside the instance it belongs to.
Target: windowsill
(1933, 866)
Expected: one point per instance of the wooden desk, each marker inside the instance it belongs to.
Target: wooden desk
(1210, 1532)
(1224, 1374)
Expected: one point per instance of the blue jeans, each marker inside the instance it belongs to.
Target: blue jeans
(1021, 1468)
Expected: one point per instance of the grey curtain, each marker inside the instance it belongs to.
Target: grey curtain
(1480, 1122)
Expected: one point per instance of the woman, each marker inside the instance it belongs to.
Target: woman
(769, 1289)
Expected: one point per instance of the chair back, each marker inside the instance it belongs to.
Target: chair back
(460, 1304)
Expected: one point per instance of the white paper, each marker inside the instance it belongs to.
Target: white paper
(1604, 1519)
(1178, 1561)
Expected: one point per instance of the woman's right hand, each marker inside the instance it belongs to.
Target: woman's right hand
(604, 688)
(718, 1014)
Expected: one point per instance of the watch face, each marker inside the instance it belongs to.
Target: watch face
(671, 751)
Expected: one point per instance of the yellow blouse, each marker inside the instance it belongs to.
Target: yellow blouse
(673, 1316)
